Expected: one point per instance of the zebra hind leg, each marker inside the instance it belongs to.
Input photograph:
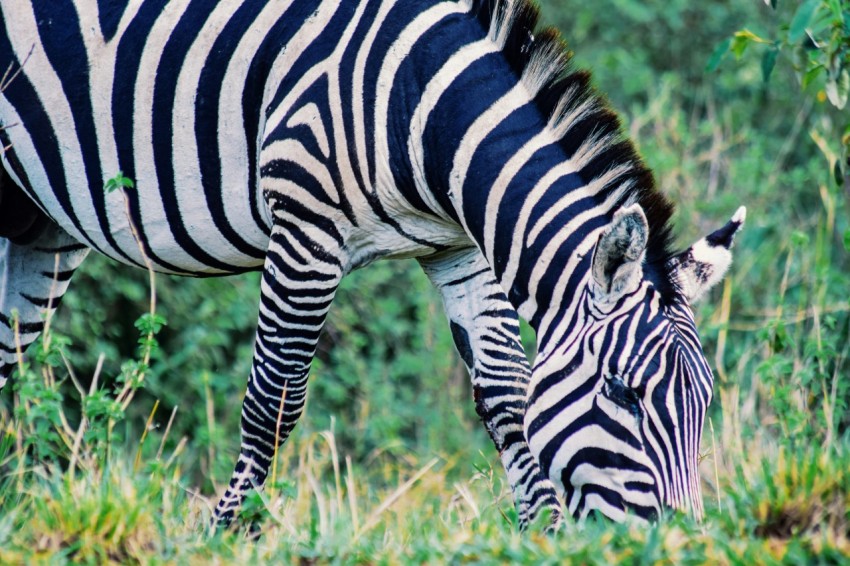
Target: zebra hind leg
(300, 279)
(33, 278)
(485, 328)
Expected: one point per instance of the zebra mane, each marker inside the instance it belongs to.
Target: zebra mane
(565, 96)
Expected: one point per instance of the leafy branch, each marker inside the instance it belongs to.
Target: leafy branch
(816, 41)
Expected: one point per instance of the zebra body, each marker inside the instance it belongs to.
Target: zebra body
(308, 139)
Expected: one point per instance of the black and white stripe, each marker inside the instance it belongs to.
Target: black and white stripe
(308, 139)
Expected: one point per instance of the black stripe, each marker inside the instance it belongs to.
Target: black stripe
(23, 327)
(109, 13)
(164, 93)
(59, 275)
(207, 107)
(63, 45)
(127, 61)
(63, 249)
(42, 302)
(466, 278)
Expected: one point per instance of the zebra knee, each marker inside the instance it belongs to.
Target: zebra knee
(488, 416)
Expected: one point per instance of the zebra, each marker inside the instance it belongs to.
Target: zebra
(307, 139)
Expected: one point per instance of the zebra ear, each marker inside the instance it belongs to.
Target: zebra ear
(619, 253)
(703, 265)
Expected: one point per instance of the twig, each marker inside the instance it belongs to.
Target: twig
(144, 436)
(165, 435)
(130, 386)
(84, 420)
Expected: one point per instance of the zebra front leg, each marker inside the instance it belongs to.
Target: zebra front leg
(33, 279)
(485, 328)
(301, 275)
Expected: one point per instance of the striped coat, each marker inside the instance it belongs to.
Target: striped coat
(308, 139)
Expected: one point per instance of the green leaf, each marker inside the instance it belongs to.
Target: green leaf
(768, 62)
(838, 89)
(150, 323)
(119, 181)
(799, 238)
(801, 20)
(838, 174)
(719, 53)
(811, 75)
(742, 39)
(835, 6)
(739, 45)
(847, 239)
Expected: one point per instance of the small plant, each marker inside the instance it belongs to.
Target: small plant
(119, 181)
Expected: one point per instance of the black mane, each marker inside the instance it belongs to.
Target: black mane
(564, 88)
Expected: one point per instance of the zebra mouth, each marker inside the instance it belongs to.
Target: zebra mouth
(614, 501)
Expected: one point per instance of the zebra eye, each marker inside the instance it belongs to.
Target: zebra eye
(623, 395)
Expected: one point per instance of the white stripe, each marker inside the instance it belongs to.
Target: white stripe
(309, 115)
(358, 102)
(231, 132)
(559, 291)
(101, 58)
(192, 203)
(448, 73)
(475, 134)
(497, 192)
(24, 150)
(151, 206)
(397, 53)
(293, 150)
(302, 39)
(343, 161)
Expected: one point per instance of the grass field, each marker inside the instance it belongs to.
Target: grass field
(120, 432)
(767, 505)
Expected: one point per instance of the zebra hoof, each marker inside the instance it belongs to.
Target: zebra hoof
(228, 521)
(547, 519)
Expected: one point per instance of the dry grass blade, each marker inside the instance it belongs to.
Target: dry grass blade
(329, 438)
(165, 434)
(148, 424)
(373, 519)
(352, 494)
(75, 450)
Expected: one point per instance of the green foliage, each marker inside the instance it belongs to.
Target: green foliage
(816, 41)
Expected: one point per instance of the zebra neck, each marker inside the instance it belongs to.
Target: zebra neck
(481, 153)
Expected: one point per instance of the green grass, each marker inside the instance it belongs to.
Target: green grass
(86, 484)
(776, 507)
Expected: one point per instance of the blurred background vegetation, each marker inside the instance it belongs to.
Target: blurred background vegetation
(730, 103)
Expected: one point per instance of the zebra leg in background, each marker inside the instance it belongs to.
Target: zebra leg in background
(485, 328)
(302, 271)
(33, 279)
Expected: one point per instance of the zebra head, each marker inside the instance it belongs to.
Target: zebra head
(615, 411)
